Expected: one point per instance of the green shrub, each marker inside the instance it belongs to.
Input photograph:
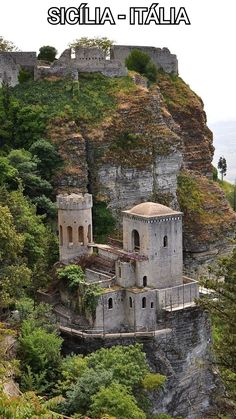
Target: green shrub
(116, 401)
(47, 53)
(141, 62)
(73, 274)
(153, 381)
(25, 75)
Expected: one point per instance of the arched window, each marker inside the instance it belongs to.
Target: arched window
(81, 235)
(136, 240)
(89, 233)
(69, 235)
(165, 241)
(61, 236)
(130, 302)
(144, 302)
(145, 281)
(110, 303)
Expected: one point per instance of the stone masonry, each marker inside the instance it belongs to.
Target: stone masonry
(140, 279)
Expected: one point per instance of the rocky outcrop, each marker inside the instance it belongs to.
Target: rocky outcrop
(183, 356)
(137, 152)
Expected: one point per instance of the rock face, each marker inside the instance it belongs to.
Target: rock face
(183, 356)
(139, 151)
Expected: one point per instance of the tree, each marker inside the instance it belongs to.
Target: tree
(222, 166)
(127, 363)
(115, 400)
(37, 238)
(48, 158)
(13, 270)
(141, 62)
(103, 43)
(223, 312)
(28, 405)
(79, 398)
(47, 53)
(7, 46)
(39, 351)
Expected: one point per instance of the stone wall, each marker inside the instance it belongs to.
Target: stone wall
(53, 73)
(183, 356)
(9, 70)
(12, 62)
(27, 60)
(160, 56)
(90, 60)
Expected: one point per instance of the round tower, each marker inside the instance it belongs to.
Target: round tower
(74, 224)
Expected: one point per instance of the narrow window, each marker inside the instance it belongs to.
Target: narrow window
(152, 304)
(81, 235)
(89, 233)
(136, 240)
(165, 241)
(145, 281)
(119, 272)
(130, 302)
(61, 236)
(144, 302)
(110, 303)
(72, 54)
(69, 235)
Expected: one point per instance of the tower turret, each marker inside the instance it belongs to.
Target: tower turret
(155, 231)
(74, 224)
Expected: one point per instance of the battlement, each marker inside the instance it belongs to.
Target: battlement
(74, 202)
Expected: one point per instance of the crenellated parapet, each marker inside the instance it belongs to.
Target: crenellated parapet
(74, 202)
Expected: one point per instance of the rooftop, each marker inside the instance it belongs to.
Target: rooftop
(151, 209)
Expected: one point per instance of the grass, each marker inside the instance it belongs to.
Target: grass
(176, 93)
(230, 192)
(88, 100)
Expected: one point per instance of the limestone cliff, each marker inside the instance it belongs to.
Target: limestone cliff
(150, 144)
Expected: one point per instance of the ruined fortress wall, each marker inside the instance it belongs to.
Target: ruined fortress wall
(26, 60)
(52, 73)
(9, 70)
(90, 60)
(160, 56)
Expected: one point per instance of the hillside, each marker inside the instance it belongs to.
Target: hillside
(126, 144)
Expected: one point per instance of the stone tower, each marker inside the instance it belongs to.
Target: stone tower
(74, 224)
(155, 231)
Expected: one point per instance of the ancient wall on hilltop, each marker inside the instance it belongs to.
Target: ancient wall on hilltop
(27, 60)
(9, 70)
(90, 60)
(160, 56)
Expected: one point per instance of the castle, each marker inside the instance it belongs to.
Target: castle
(79, 60)
(139, 279)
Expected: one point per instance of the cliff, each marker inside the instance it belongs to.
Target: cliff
(147, 144)
(182, 353)
(126, 143)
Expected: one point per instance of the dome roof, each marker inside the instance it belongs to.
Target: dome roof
(151, 209)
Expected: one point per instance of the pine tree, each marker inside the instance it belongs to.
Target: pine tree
(222, 166)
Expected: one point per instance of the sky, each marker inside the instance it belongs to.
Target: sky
(205, 49)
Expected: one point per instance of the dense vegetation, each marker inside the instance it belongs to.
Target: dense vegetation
(74, 386)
